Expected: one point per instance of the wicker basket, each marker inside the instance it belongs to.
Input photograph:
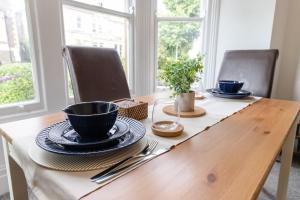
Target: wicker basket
(132, 109)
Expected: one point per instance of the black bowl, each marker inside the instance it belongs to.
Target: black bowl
(92, 120)
(229, 86)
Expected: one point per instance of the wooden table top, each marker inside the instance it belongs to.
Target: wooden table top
(230, 160)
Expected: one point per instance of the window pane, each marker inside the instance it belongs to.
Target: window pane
(16, 81)
(176, 39)
(118, 5)
(87, 28)
(179, 8)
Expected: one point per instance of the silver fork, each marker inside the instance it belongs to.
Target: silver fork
(124, 169)
(149, 148)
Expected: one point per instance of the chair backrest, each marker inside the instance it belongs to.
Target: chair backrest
(254, 67)
(96, 74)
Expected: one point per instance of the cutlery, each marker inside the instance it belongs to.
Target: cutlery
(117, 172)
(144, 152)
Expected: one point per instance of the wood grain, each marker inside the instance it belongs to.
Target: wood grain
(230, 160)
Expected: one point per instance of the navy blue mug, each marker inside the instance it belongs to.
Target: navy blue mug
(230, 86)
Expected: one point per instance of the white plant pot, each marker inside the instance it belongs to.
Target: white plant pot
(185, 102)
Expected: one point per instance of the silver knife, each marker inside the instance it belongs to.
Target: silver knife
(123, 170)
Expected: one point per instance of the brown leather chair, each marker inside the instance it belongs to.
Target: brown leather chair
(96, 74)
(254, 67)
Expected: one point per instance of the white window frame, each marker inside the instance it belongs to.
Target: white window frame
(209, 21)
(129, 16)
(158, 19)
(31, 107)
(47, 62)
(210, 41)
(45, 18)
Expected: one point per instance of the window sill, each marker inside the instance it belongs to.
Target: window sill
(23, 115)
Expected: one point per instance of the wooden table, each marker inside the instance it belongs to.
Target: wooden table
(230, 160)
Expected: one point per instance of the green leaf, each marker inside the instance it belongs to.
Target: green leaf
(180, 74)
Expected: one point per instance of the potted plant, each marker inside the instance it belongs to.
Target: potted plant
(179, 75)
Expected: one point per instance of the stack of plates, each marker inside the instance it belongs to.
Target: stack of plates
(239, 95)
(61, 138)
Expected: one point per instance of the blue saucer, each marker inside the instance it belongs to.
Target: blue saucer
(239, 95)
(63, 133)
(136, 133)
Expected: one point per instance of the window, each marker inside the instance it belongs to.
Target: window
(78, 22)
(117, 5)
(143, 32)
(94, 28)
(179, 30)
(17, 79)
(99, 28)
(114, 26)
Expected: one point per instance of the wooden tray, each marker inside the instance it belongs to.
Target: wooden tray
(198, 112)
(166, 133)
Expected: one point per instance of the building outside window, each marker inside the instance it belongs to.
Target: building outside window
(114, 26)
(174, 28)
(78, 22)
(17, 82)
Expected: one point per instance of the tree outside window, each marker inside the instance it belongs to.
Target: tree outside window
(16, 81)
(178, 38)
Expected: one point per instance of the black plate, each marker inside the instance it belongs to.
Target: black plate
(137, 132)
(239, 95)
(63, 133)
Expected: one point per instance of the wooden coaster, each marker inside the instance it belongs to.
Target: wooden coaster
(199, 97)
(165, 132)
(198, 112)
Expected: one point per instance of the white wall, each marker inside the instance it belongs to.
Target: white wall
(256, 24)
(245, 24)
(288, 79)
(278, 36)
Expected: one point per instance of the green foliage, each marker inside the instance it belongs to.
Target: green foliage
(180, 74)
(188, 8)
(176, 38)
(16, 83)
